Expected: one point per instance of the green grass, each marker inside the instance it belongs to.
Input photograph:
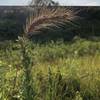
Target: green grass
(58, 70)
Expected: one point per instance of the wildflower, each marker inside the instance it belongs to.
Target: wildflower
(1, 63)
(76, 52)
(9, 65)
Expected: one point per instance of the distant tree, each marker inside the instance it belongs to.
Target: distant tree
(43, 3)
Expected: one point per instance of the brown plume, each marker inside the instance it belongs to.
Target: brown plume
(49, 17)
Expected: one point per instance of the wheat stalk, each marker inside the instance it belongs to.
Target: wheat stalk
(49, 17)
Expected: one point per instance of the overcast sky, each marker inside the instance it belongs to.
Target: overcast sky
(62, 2)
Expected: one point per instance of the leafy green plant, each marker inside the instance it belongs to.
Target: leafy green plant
(27, 63)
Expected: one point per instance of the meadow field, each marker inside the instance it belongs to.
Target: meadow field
(50, 71)
(49, 53)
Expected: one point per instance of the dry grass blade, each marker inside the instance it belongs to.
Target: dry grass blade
(47, 17)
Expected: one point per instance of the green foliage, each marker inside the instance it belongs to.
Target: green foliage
(9, 29)
(50, 71)
(27, 63)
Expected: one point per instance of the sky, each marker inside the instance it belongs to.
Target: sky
(62, 2)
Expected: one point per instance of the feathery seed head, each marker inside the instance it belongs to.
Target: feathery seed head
(46, 17)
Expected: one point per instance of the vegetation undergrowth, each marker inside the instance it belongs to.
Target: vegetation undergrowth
(50, 71)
